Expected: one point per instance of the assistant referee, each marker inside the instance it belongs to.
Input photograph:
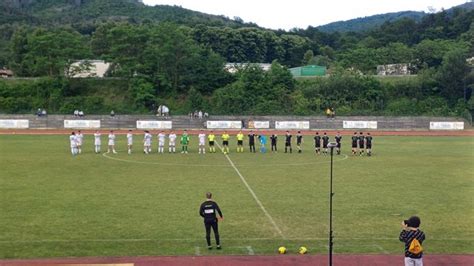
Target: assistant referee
(208, 211)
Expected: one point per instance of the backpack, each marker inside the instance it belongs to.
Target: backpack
(415, 247)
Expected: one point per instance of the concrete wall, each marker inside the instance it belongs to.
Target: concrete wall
(184, 122)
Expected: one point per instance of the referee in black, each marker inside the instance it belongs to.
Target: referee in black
(208, 211)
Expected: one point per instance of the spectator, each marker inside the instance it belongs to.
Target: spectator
(43, 112)
(112, 113)
(200, 114)
(81, 113)
(333, 113)
(190, 115)
(206, 115)
(328, 113)
(76, 112)
(38, 113)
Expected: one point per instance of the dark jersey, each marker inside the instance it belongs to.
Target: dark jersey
(274, 139)
(208, 211)
(288, 139)
(299, 138)
(361, 141)
(325, 140)
(407, 237)
(317, 141)
(354, 141)
(368, 141)
(251, 139)
(338, 139)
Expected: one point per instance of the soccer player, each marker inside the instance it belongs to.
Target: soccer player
(368, 144)
(274, 139)
(317, 143)
(288, 142)
(97, 141)
(202, 142)
(172, 142)
(225, 142)
(147, 142)
(263, 143)
(161, 142)
(361, 143)
(184, 142)
(111, 142)
(338, 139)
(212, 138)
(208, 211)
(129, 141)
(325, 143)
(354, 143)
(299, 140)
(240, 142)
(252, 141)
(79, 140)
(73, 143)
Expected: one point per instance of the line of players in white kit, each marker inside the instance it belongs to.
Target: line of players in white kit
(77, 139)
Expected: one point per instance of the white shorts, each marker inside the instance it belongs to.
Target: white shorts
(97, 143)
(202, 143)
(172, 144)
(161, 143)
(129, 143)
(111, 143)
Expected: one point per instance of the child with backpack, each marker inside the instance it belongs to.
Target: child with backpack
(413, 238)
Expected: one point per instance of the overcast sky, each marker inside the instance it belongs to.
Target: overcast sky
(279, 14)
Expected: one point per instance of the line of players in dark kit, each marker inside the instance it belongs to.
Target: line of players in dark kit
(361, 144)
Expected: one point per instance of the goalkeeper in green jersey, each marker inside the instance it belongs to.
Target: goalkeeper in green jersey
(184, 142)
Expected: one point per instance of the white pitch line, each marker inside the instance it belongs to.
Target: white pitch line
(381, 249)
(197, 251)
(250, 250)
(254, 195)
(199, 239)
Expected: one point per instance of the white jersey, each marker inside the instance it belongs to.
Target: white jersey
(111, 139)
(79, 139)
(147, 139)
(161, 139)
(97, 140)
(172, 139)
(73, 141)
(202, 139)
(129, 138)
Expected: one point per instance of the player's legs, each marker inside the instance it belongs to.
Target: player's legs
(299, 147)
(215, 228)
(208, 234)
(113, 149)
(129, 148)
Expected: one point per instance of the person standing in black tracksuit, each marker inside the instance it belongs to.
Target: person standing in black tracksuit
(252, 137)
(274, 139)
(208, 211)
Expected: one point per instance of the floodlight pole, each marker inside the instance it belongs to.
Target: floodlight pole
(331, 194)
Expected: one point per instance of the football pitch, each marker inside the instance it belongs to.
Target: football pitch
(55, 205)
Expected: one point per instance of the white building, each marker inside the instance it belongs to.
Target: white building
(234, 67)
(88, 69)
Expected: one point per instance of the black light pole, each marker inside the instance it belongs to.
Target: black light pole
(331, 145)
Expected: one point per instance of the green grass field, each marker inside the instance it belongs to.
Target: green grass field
(56, 205)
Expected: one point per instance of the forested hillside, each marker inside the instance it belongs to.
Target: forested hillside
(175, 56)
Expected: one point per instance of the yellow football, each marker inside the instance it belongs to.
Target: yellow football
(281, 250)
(303, 250)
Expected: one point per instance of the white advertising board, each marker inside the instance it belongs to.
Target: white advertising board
(12, 123)
(447, 125)
(224, 124)
(360, 124)
(259, 124)
(154, 124)
(81, 123)
(292, 124)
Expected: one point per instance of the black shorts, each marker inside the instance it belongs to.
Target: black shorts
(338, 145)
(288, 144)
(325, 145)
(318, 145)
(361, 146)
(298, 143)
(369, 146)
(240, 142)
(225, 142)
(251, 144)
(211, 143)
(354, 145)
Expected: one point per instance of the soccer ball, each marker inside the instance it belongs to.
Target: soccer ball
(281, 250)
(225, 152)
(303, 250)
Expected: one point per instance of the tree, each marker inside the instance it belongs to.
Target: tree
(452, 75)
